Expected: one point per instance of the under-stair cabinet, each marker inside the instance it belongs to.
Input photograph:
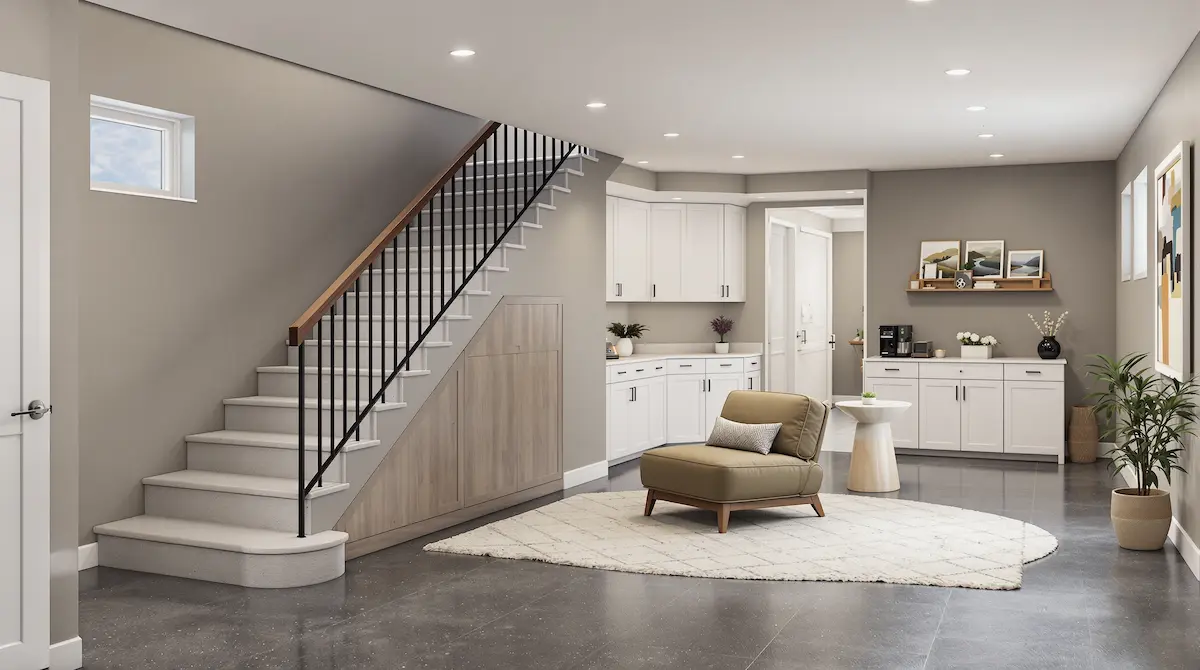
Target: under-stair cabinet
(675, 252)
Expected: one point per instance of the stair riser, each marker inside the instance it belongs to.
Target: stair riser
(462, 254)
(284, 420)
(263, 461)
(384, 356)
(386, 305)
(219, 507)
(493, 167)
(513, 179)
(482, 234)
(380, 330)
(286, 384)
(420, 281)
(261, 571)
(490, 200)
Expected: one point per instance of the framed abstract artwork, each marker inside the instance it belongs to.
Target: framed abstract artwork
(984, 258)
(1173, 254)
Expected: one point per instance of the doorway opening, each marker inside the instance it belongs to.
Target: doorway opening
(816, 300)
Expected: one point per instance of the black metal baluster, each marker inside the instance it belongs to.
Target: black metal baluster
(345, 360)
(303, 368)
(396, 296)
(382, 328)
(358, 355)
(526, 175)
(441, 254)
(332, 379)
(301, 479)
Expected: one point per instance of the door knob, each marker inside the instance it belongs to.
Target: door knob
(37, 409)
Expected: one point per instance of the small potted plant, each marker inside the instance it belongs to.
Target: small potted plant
(1149, 417)
(721, 326)
(868, 398)
(975, 345)
(625, 336)
(1049, 348)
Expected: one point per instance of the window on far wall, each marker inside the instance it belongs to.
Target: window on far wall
(1141, 224)
(1127, 233)
(139, 150)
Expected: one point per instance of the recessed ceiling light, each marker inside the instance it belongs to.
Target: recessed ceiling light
(976, 108)
(996, 156)
(855, 192)
(677, 198)
(986, 136)
(958, 72)
(670, 134)
(597, 105)
(739, 156)
(462, 53)
(920, 2)
(642, 162)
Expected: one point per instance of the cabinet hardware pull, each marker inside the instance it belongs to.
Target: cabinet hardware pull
(654, 290)
(891, 369)
(631, 392)
(658, 368)
(727, 365)
(1033, 372)
(623, 372)
(964, 394)
(955, 394)
(640, 370)
(685, 366)
(751, 381)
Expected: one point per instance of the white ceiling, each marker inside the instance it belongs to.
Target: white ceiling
(794, 85)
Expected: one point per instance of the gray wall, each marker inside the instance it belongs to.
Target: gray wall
(40, 40)
(1174, 117)
(179, 302)
(1065, 209)
(849, 259)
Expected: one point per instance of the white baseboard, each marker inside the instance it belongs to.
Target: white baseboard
(1177, 535)
(573, 478)
(89, 556)
(67, 655)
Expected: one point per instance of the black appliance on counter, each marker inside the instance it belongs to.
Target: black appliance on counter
(895, 341)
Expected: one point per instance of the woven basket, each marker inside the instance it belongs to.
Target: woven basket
(1084, 435)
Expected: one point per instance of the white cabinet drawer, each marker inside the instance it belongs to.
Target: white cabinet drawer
(1033, 373)
(630, 371)
(957, 370)
(685, 366)
(753, 364)
(719, 365)
(902, 370)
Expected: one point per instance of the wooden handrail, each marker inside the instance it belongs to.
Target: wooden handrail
(304, 325)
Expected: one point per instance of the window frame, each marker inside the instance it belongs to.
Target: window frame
(1141, 225)
(173, 127)
(1126, 237)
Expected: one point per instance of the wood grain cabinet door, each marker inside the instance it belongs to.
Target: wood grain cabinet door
(530, 328)
(489, 459)
(536, 413)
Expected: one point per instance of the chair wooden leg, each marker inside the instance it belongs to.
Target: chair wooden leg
(649, 502)
(816, 505)
(723, 519)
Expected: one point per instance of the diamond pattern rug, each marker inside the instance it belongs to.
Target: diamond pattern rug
(861, 539)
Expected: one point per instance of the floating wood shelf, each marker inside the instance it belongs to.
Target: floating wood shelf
(1003, 285)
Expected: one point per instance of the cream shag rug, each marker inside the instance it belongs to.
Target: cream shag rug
(861, 539)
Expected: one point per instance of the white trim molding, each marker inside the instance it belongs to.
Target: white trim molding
(89, 556)
(67, 655)
(588, 473)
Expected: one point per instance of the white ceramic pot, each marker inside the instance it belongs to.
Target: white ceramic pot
(722, 347)
(624, 347)
(977, 351)
(868, 401)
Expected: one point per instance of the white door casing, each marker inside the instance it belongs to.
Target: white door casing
(814, 315)
(781, 351)
(24, 372)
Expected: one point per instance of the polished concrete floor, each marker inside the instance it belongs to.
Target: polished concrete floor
(1089, 605)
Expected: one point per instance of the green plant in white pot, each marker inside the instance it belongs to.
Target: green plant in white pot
(1149, 417)
(625, 336)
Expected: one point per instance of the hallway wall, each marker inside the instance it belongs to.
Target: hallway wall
(849, 282)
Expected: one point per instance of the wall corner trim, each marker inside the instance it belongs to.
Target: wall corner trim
(592, 472)
(1177, 535)
(89, 556)
(67, 655)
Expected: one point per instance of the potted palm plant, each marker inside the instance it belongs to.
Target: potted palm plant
(625, 335)
(1148, 416)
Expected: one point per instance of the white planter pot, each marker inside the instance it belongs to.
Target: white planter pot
(868, 401)
(624, 347)
(976, 351)
(722, 347)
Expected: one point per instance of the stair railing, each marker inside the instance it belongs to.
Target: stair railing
(471, 207)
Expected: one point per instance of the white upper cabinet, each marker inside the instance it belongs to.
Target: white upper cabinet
(672, 252)
(631, 251)
(610, 251)
(703, 246)
(666, 257)
(735, 254)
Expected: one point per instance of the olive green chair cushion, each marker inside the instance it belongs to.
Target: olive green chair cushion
(803, 419)
(718, 474)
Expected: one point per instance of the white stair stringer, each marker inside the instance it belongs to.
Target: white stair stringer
(233, 515)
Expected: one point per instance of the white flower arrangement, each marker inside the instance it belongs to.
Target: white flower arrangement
(975, 339)
(1049, 327)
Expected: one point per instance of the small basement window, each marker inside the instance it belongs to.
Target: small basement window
(139, 150)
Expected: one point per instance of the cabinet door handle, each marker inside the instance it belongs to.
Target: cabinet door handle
(750, 381)
(685, 366)
(654, 290)
(955, 394)
(623, 372)
(727, 365)
(1033, 372)
(964, 394)
(891, 369)
(640, 370)
(658, 368)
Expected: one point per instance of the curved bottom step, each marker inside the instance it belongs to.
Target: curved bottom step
(212, 552)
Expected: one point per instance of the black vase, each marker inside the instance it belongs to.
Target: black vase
(1049, 348)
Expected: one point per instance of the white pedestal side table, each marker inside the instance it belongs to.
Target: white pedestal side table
(873, 462)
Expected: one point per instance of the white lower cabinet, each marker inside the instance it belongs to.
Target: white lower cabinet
(656, 405)
(719, 388)
(754, 381)
(984, 407)
(685, 408)
(620, 399)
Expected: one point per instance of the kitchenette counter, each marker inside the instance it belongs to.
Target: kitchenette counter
(1015, 360)
(648, 358)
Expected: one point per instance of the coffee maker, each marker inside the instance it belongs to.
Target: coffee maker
(895, 341)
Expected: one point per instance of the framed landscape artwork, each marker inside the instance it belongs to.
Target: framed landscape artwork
(1025, 264)
(942, 254)
(984, 259)
(1173, 246)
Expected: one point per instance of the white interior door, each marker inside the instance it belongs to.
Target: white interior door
(781, 353)
(813, 311)
(24, 372)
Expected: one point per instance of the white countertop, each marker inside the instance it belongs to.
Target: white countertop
(647, 358)
(1017, 360)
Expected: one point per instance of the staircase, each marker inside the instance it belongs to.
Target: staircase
(257, 504)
